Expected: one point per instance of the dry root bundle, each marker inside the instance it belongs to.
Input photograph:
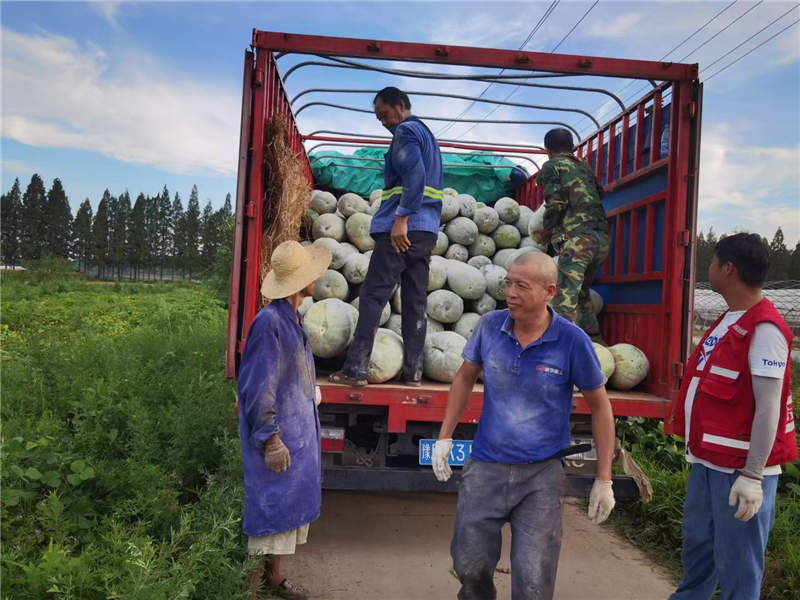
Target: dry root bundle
(287, 195)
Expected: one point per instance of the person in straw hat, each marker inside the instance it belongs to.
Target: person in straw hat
(278, 420)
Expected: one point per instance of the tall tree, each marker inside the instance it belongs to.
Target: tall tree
(152, 226)
(794, 264)
(33, 219)
(192, 231)
(137, 246)
(227, 210)
(100, 233)
(165, 227)
(209, 236)
(82, 235)
(121, 226)
(178, 235)
(11, 225)
(779, 258)
(58, 219)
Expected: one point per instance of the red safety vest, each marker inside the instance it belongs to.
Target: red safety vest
(723, 405)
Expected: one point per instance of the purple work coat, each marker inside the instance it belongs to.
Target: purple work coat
(276, 395)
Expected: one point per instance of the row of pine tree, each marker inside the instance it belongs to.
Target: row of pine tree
(784, 263)
(154, 236)
(151, 237)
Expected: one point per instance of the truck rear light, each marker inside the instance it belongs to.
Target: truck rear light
(332, 439)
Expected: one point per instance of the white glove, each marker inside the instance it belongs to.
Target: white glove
(601, 501)
(318, 397)
(441, 455)
(748, 493)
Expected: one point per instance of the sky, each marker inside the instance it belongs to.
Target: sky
(138, 95)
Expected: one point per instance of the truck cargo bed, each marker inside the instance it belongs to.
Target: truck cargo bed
(428, 402)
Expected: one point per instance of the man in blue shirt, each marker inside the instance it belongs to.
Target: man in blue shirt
(531, 357)
(405, 230)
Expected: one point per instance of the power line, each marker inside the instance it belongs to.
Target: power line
(533, 31)
(753, 49)
(728, 26)
(574, 26)
(732, 50)
(696, 31)
(724, 29)
(513, 91)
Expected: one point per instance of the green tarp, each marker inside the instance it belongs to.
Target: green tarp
(475, 174)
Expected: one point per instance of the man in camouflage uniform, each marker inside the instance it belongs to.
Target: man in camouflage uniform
(575, 224)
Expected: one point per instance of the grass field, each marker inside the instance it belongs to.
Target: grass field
(121, 472)
(121, 475)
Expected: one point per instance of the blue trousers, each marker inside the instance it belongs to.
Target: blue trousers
(386, 267)
(718, 549)
(530, 497)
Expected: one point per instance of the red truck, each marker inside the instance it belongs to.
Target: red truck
(647, 159)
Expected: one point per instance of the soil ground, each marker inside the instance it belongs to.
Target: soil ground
(397, 547)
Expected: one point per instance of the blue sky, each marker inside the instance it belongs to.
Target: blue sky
(140, 95)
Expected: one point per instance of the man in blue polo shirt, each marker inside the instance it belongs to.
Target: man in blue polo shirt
(531, 357)
(405, 229)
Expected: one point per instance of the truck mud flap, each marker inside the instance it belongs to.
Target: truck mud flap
(376, 479)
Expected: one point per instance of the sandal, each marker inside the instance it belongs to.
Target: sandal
(403, 380)
(290, 591)
(342, 378)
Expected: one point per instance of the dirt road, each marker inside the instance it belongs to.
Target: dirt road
(397, 547)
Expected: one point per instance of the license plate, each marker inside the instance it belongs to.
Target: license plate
(458, 455)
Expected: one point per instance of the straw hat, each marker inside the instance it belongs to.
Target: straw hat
(293, 268)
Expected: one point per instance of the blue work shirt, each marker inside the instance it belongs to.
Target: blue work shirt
(277, 395)
(527, 392)
(412, 177)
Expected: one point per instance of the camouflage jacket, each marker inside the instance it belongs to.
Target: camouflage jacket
(572, 196)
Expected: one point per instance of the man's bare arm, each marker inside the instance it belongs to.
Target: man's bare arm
(602, 429)
(457, 400)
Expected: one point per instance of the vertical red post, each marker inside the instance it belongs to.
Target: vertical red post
(637, 157)
(598, 164)
(626, 136)
(649, 236)
(253, 208)
(612, 152)
(633, 246)
(619, 243)
(655, 136)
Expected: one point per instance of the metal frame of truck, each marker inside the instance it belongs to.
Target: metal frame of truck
(651, 201)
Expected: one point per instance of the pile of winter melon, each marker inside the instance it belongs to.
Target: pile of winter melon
(476, 245)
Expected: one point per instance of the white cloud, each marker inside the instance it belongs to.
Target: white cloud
(58, 93)
(107, 10)
(754, 188)
(16, 168)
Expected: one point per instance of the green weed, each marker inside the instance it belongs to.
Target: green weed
(121, 468)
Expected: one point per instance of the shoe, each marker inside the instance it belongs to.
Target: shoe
(403, 380)
(290, 591)
(341, 378)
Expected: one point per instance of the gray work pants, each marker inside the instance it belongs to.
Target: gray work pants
(531, 498)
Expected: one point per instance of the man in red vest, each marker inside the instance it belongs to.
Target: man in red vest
(735, 410)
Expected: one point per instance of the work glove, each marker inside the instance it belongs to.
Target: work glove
(441, 455)
(748, 493)
(601, 501)
(276, 455)
(318, 397)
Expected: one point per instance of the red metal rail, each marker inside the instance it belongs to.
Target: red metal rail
(474, 57)
(653, 326)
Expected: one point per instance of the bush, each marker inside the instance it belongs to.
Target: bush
(656, 526)
(121, 464)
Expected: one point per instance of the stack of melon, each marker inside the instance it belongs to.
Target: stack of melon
(476, 245)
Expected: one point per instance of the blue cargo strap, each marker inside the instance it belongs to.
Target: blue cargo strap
(429, 191)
